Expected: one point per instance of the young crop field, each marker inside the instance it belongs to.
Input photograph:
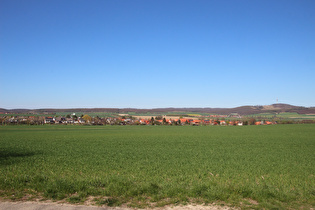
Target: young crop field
(141, 166)
(92, 114)
(284, 115)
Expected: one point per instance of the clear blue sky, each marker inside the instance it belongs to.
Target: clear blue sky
(156, 53)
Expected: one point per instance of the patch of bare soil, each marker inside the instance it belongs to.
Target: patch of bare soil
(49, 205)
(194, 207)
(31, 202)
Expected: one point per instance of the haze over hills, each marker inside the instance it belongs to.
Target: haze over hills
(242, 110)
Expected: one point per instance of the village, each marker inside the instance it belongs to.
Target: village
(124, 119)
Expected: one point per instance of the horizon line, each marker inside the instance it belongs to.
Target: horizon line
(155, 108)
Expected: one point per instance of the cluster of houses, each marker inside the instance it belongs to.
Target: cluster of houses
(152, 121)
(126, 120)
(63, 120)
(188, 121)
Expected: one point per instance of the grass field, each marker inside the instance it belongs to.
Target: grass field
(285, 115)
(246, 166)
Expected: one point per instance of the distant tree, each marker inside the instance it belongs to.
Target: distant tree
(158, 118)
(104, 121)
(252, 121)
(97, 120)
(2, 120)
(41, 120)
(87, 118)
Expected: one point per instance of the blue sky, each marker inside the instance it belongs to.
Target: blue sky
(156, 53)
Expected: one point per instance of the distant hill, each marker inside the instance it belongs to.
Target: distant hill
(242, 110)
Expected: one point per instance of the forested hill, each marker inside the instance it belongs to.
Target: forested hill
(242, 110)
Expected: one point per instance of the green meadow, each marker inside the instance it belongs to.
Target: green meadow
(141, 166)
(285, 115)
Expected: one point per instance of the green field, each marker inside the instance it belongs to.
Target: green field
(92, 114)
(139, 166)
(284, 115)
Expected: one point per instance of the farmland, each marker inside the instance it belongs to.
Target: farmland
(139, 166)
(284, 115)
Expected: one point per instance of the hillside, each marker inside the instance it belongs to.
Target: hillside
(242, 110)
